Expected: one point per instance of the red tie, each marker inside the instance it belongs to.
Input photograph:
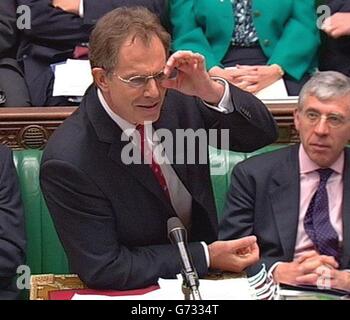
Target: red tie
(155, 167)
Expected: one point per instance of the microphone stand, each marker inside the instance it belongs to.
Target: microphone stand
(190, 285)
(178, 236)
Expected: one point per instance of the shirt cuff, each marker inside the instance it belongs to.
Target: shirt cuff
(206, 252)
(81, 9)
(263, 286)
(272, 269)
(225, 105)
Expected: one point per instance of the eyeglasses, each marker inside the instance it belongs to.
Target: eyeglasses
(141, 81)
(333, 120)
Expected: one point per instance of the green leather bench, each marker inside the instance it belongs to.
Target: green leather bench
(45, 253)
(226, 160)
(44, 250)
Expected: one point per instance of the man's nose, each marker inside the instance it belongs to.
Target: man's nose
(152, 89)
(322, 127)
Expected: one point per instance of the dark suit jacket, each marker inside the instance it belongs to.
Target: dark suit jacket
(8, 29)
(264, 200)
(112, 217)
(53, 36)
(12, 234)
(335, 53)
(8, 34)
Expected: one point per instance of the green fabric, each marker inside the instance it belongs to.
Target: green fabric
(45, 253)
(226, 160)
(206, 26)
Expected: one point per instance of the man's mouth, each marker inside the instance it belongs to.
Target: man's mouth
(319, 146)
(148, 106)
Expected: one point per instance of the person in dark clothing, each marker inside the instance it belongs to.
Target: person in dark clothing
(12, 232)
(13, 89)
(335, 52)
(57, 28)
(101, 203)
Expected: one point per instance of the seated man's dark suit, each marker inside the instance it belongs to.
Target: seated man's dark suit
(11, 76)
(53, 36)
(264, 200)
(12, 234)
(112, 217)
(335, 53)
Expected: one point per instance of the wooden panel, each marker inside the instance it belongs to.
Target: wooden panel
(23, 128)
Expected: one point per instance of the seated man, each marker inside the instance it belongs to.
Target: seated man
(13, 89)
(12, 234)
(109, 207)
(335, 53)
(296, 200)
(58, 28)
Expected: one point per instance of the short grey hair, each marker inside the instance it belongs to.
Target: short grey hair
(325, 85)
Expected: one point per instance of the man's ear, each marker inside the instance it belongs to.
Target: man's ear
(101, 79)
(296, 119)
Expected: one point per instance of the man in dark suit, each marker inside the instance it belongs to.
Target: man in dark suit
(12, 234)
(271, 195)
(57, 28)
(109, 207)
(335, 53)
(12, 82)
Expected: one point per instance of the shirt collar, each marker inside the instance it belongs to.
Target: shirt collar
(126, 126)
(307, 165)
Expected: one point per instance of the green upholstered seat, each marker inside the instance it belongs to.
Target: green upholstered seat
(45, 253)
(44, 250)
(221, 165)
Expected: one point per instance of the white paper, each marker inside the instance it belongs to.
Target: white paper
(72, 78)
(276, 90)
(170, 289)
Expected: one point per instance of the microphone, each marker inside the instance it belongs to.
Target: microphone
(178, 237)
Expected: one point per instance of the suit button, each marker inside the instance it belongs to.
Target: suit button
(257, 14)
(266, 42)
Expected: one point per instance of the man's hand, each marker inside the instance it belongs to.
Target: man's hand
(233, 255)
(192, 78)
(304, 269)
(71, 6)
(326, 277)
(337, 25)
(255, 78)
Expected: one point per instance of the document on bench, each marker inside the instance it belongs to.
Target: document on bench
(275, 91)
(72, 78)
(171, 289)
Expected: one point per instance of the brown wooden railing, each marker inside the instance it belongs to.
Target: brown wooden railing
(23, 128)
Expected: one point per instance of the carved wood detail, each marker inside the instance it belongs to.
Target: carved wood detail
(25, 128)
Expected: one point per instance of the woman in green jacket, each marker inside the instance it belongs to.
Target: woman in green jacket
(264, 39)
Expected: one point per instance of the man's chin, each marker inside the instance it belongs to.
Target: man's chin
(151, 117)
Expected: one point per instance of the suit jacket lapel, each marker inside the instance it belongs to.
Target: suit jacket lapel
(179, 166)
(345, 260)
(179, 156)
(109, 132)
(141, 172)
(284, 195)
